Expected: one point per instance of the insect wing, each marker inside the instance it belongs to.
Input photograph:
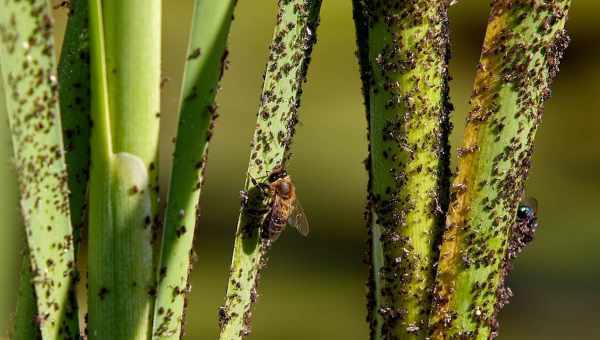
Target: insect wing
(531, 203)
(298, 219)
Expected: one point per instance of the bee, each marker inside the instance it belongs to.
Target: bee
(285, 207)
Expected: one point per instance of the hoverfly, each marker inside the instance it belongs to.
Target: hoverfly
(285, 207)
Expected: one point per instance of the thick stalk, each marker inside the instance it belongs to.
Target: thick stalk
(133, 41)
(524, 42)
(30, 82)
(289, 57)
(125, 69)
(206, 58)
(403, 53)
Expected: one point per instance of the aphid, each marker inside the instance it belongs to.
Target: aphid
(244, 198)
(39, 319)
(285, 207)
(102, 293)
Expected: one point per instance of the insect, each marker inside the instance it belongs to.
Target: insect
(285, 207)
(521, 233)
(524, 227)
(527, 209)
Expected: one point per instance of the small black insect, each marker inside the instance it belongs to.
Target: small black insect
(524, 228)
(244, 198)
(521, 234)
(527, 209)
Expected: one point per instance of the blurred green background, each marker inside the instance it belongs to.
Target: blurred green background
(314, 288)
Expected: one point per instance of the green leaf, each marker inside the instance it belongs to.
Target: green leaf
(74, 93)
(30, 82)
(204, 66)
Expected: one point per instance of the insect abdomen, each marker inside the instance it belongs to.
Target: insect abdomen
(276, 226)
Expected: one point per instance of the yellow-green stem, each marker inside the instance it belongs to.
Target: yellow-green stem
(277, 116)
(524, 42)
(403, 52)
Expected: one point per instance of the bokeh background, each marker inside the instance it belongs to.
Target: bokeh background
(314, 288)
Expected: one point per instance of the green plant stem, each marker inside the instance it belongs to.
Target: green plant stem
(520, 56)
(73, 75)
(74, 94)
(403, 52)
(28, 64)
(25, 327)
(290, 51)
(203, 69)
(100, 224)
(133, 49)
(125, 73)
(133, 42)
(8, 216)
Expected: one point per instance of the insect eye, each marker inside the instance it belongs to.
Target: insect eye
(277, 174)
(284, 188)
